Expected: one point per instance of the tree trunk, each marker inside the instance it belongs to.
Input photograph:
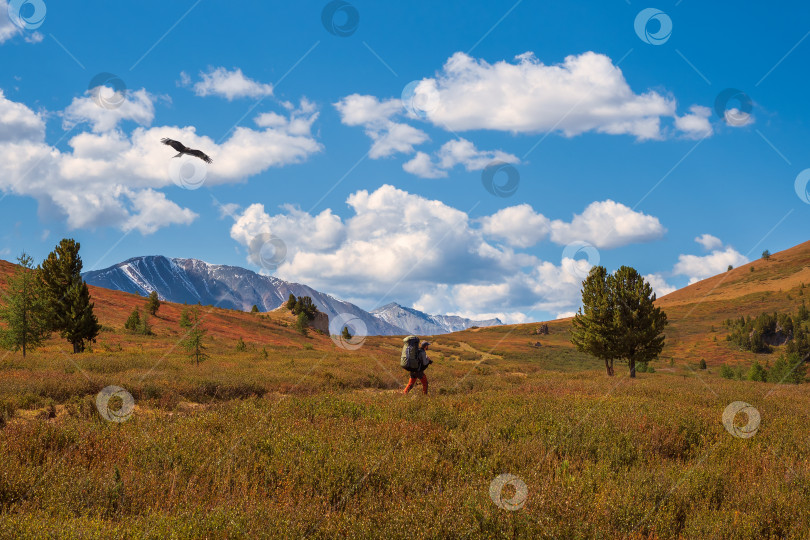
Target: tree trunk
(632, 368)
(77, 348)
(609, 367)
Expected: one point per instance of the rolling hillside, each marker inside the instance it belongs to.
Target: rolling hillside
(696, 312)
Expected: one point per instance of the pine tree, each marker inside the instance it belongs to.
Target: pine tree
(24, 309)
(345, 334)
(620, 320)
(240, 345)
(254, 309)
(79, 324)
(153, 303)
(592, 325)
(71, 312)
(291, 302)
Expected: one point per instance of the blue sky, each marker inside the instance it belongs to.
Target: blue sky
(616, 142)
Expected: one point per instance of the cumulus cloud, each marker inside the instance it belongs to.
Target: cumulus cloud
(452, 153)
(389, 137)
(659, 284)
(367, 111)
(227, 84)
(137, 106)
(152, 211)
(433, 256)
(109, 177)
(736, 118)
(695, 125)
(709, 242)
(607, 224)
(518, 226)
(395, 138)
(18, 122)
(9, 30)
(586, 92)
(421, 165)
(701, 267)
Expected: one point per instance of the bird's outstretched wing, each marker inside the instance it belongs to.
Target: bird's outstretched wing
(200, 154)
(177, 145)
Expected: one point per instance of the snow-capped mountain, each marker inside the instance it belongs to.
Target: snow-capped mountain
(191, 281)
(231, 287)
(419, 323)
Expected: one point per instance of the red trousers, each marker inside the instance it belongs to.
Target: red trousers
(412, 381)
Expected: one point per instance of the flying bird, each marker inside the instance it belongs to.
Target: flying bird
(183, 149)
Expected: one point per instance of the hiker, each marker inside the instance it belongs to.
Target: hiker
(419, 373)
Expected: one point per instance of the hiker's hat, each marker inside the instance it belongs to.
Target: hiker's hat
(425, 343)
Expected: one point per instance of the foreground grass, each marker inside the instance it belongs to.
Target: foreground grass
(310, 442)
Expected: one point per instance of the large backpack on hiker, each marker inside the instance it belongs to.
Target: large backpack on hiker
(410, 354)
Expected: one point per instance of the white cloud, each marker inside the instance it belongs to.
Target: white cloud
(431, 256)
(228, 84)
(421, 165)
(709, 242)
(586, 92)
(375, 116)
(34, 37)
(696, 124)
(395, 139)
(716, 262)
(565, 314)
(108, 177)
(18, 122)
(456, 152)
(518, 226)
(737, 118)
(137, 106)
(367, 111)
(9, 30)
(659, 284)
(607, 224)
(151, 210)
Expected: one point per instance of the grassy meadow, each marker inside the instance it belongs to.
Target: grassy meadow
(296, 437)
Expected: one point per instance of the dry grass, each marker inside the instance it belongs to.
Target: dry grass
(315, 441)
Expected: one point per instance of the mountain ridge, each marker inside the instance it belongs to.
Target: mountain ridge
(187, 280)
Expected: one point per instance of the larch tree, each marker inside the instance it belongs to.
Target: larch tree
(24, 309)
